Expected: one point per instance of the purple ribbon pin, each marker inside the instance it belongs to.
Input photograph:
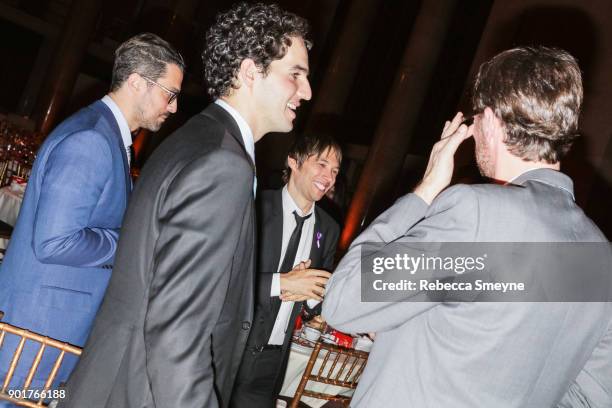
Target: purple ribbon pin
(319, 236)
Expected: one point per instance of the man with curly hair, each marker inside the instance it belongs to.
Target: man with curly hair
(173, 326)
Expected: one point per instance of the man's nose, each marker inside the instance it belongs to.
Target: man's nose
(329, 175)
(305, 92)
(173, 107)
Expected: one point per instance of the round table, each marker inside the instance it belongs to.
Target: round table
(10, 202)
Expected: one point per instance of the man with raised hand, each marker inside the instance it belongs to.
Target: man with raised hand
(500, 354)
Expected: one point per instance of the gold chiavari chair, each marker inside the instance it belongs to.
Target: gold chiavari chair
(339, 366)
(22, 395)
(3, 168)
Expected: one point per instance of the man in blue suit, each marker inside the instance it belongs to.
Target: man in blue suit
(60, 257)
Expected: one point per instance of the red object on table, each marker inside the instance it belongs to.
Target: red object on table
(342, 339)
(19, 180)
(298, 323)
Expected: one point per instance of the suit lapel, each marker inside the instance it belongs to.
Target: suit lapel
(316, 249)
(105, 112)
(275, 223)
(274, 233)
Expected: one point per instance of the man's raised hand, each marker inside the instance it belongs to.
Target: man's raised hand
(441, 160)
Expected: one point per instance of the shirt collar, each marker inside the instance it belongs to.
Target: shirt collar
(124, 129)
(289, 205)
(519, 175)
(547, 176)
(245, 130)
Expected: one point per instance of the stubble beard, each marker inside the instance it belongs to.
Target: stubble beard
(483, 161)
(151, 124)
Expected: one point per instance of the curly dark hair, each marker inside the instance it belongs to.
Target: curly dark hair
(261, 32)
(537, 93)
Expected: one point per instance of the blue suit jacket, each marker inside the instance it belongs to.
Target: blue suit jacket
(58, 262)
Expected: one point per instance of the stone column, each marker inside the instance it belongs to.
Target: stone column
(172, 20)
(65, 66)
(343, 65)
(396, 128)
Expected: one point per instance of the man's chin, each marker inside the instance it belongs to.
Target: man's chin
(153, 127)
(318, 195)
(287, 126)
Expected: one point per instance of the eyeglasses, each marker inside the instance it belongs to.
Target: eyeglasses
(173, 94)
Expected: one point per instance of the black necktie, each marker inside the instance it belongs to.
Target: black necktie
(294, 242)
(132, 155)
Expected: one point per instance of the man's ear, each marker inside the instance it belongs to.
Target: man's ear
(492, 126)
(293, 164)
(135, 82)
(247, 73)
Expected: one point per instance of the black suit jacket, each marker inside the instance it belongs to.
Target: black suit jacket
(173, 325)
(270, 223)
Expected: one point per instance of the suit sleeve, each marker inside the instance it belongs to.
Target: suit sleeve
(75, 174)
(330, 247)
(264, 285)
(452, 217)
(264, 279)
(200, 223)
(592, 388)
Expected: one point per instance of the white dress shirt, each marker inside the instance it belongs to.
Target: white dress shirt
(302, 254)
(124, 129)
(245, 132)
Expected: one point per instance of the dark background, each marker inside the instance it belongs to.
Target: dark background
(360, 54)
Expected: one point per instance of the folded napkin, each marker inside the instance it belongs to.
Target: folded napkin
(18, 185)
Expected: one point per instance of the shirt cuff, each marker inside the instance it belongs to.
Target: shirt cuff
(275, 289)
(312, 303)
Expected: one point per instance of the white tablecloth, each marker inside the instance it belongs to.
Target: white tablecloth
(10, 202)
(298, 359)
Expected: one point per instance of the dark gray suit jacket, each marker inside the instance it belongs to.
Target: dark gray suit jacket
(177, 313)
(270, 221)
(478, 354)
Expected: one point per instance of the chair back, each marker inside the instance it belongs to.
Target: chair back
(333, 365)
(20, 394)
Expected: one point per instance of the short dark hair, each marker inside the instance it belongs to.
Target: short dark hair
(261, 32)
(537, 94)
(306, 146)
(146, 54)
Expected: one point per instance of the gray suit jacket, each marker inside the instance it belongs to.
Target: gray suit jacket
(478, 354)
(174, 322)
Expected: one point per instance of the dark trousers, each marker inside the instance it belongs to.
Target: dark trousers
(254, 386)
